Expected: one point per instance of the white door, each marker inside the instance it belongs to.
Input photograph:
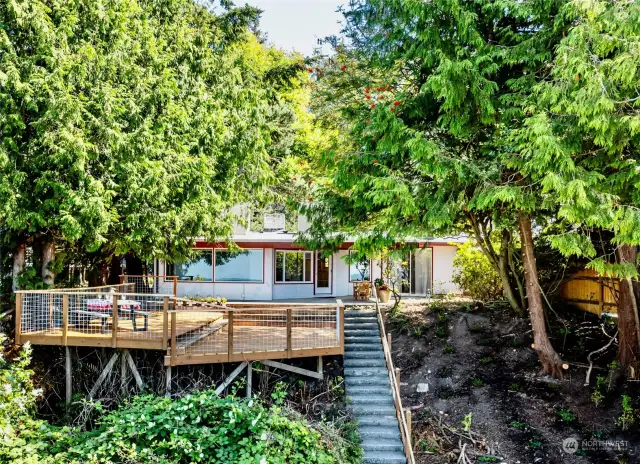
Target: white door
(324, 274)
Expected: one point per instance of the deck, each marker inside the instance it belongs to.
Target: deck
(189, 332)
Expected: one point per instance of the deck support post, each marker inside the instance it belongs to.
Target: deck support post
(123, 373)
(231, 377)
(249, 379)
(167, 385)
(69, 380)
(104, 374)
(132, 366)
(320, 371)
(296, 370)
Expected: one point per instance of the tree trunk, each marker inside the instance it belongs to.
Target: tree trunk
(629, 332)
(19, 259)
(48, 255)
(503, 272)
(551, 362)
(115, 270)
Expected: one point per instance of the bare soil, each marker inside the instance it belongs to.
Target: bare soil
(478, 360)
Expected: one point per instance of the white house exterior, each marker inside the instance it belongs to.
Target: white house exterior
(272, 267)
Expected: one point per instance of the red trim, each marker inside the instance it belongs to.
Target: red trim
(311, 282)
(245, 282)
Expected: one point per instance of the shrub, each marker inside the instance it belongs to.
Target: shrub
(196, 428)
(474, 274)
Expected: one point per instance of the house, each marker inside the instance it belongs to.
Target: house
(273, 267)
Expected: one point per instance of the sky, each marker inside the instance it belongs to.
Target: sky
(298, 24)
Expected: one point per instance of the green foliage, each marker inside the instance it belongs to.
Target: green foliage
(598, 394)
(449, 349)
(140, 132)
(627, 417)
(199, 427)
(477, 383)
(466, 422)
(475, 275)
(566, 415)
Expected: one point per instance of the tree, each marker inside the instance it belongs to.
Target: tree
(581, 142)
(135, 133)
(430, 92)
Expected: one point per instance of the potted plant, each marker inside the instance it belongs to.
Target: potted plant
(382, 291)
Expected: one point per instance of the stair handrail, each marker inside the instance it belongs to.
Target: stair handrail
(395, 386)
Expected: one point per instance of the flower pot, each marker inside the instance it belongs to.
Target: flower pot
(383, 295)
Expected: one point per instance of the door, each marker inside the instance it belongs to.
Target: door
(324, 268)
(415, 272)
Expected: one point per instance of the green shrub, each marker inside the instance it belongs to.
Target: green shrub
(474, 274)
(196, 428)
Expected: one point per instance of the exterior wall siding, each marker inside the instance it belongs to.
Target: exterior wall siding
(443, 270)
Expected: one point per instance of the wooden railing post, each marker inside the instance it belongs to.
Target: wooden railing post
(407, 416)
(18, 317)
(289, 320)
(165, 322)
(174, 336)
(230, 334)
(389, 341)
(398, 380)
(175, 285)
(340, 327)
(121, 279)
(114, 322)
(65, 318)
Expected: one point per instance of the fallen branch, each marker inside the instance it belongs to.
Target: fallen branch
(600, 350)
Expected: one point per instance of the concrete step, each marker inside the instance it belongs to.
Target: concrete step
(377, 421)
(360, 319)
(373, 354)
(365, 371)
(383, 444)
(355, 390)
(362, 333)
(380, 381)
(366, 362)
(384, 457)
(348, 338)
(362, 346)
(359, 313)
(379, 433)
(373, 410)
(360, 325)
(371, 399)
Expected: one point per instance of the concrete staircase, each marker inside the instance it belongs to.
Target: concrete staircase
(368, 388)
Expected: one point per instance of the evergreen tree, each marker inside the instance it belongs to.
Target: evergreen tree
(430, 92)
(582, 143)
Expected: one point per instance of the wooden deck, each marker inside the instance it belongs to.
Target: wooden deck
(190, 334)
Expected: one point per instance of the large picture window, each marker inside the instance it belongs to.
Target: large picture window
(197, 269)
(293, 266)
(360, 271)
(238, 266)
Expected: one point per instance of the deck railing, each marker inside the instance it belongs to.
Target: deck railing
(252, 331)
(152, 283)
(193, 333)
(404, 417)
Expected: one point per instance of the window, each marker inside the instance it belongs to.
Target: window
(197, 269)
(238, 266)
(360, 271)
(293, 266)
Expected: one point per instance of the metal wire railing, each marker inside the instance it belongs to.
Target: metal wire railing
(158, 284)
(195, 332)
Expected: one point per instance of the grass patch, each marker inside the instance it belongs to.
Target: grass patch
(477, 383)
(449, 349)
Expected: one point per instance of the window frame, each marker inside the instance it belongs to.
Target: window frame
(349, 271)
(179, 280)
(292, 282)
(215, 280)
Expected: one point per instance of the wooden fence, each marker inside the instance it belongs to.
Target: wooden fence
(591, 292)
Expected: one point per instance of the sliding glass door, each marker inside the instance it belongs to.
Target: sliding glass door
(415, 272)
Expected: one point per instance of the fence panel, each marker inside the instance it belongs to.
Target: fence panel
(590, 292)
